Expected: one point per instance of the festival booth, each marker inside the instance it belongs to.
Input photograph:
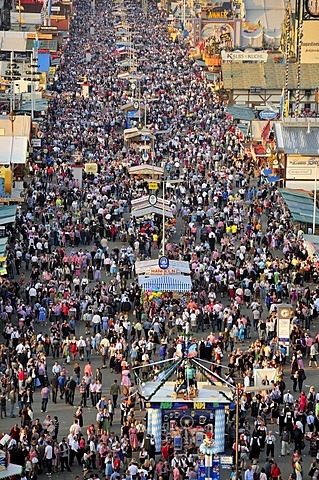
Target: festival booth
(141, 139)
(155, 281)
(181, 405)
(134, 111)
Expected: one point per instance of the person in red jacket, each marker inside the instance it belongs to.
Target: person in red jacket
(275, 471)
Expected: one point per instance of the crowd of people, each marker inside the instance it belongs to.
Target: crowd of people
(71, 295)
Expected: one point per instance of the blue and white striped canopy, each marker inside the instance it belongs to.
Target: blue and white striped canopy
(165, 283)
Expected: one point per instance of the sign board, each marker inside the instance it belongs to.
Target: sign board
(267, 114)
(36, 142)
(226, 461)
(91, 168)
(41, 36)
(301, 168)
(168, 271)
(310, 42)
(55, 8)
(163, 263)
(48, 29)
(283, 323)
(244, 56)
(131, 114)
(153, 186)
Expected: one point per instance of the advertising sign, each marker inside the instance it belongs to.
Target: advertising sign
(244, 56)
(310, 42)
(267, 115)
(163, 263)
(91, 168)
(301, 168)
(283, 324)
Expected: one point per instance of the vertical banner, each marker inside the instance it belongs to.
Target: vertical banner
(201, 467)
(215, 466)
(283, 324)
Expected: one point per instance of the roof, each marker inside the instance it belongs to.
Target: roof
(206, 393)
(13, 150)
(27, 18)
(241, 113)
(11, 471)
(7, 215)
(270, 76)
(145, 266)
(13, 41)
(144, 202)
(300, 206)
(313, 243)
(135, 132)
(297, 138)
(3, 247)
(165, 283)
(22, 125)
(145, 169)
(150, 210)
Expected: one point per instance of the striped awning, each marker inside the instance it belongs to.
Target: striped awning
(165, 283)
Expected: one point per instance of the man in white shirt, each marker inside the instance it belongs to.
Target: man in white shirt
(133, 469)
(56, 368)
(74, 450)
(96, 322)
(48, 454)
(288, 398)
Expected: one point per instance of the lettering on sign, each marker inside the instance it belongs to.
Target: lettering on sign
(159, 270)
(166, 405)
(245, 56)
(223, 14)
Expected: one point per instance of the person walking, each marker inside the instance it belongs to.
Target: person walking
(114, 392)
(270, 444)
(45, 395)
(13, 401)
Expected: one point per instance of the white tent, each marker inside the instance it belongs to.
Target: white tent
(11, 471)
(13, 150)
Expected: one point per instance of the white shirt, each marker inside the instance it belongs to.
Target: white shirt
(48, 452)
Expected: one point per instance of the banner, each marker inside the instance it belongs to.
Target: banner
(283, 324)
(261, 374)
